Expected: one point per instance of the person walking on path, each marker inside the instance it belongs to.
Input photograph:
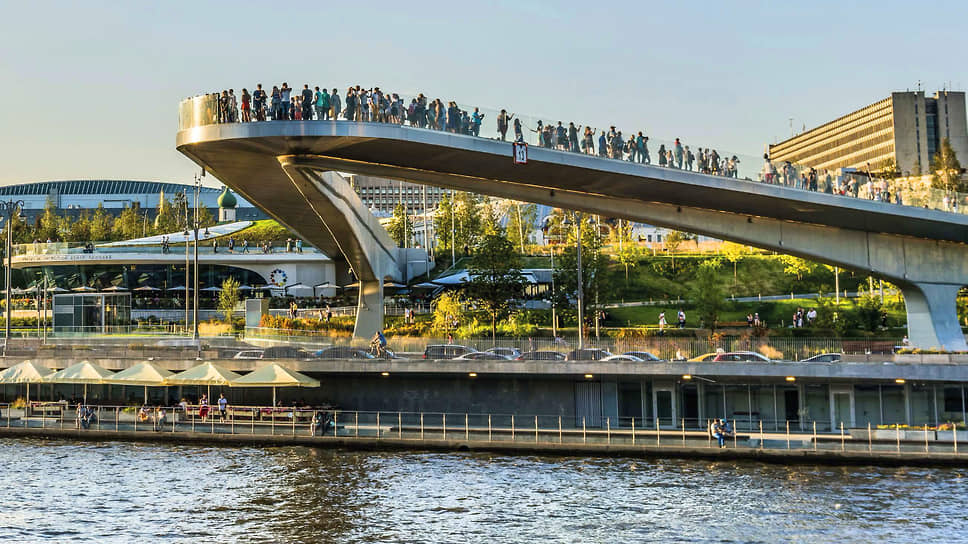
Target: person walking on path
(682, 319)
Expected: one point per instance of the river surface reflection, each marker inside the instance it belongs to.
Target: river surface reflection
(59, 491)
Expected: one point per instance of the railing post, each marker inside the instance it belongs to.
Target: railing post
(560, 434)
(870, 439)
(761, 434)
(378, 431)
(444, 422)
(135, 422)
(400, 425)
(683, 431)
(488, 427)
(633, 430)
(334, 423)
(584, 436)
(256, 412)
(814, 435)
(843, 444)
(897, 428)
(954, 436)
(535, 429)
(735, 432)
(356, 424)
(467, 428)
(116, 417)
(709, 435)
(421, 426)
(926, 450)
(657, 439)
(232, 420)
(788, 433)
(608, 430)
(272, 420)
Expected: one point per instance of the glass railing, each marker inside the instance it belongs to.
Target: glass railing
(204, 248)
(418, 111)
(410, 110)
(858, 184)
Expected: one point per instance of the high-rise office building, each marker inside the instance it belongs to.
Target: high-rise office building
(904, 129)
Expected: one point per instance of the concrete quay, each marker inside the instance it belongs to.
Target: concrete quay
(672, 449)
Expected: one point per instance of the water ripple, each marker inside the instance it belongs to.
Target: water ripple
(60, 491)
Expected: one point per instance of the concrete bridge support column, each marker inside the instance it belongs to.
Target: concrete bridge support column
(369, 309)
(933, 316)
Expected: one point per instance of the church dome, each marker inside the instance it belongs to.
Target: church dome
(227, 200)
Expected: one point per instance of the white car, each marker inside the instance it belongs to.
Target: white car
(250, 354)
(482, 356)
(623, 357)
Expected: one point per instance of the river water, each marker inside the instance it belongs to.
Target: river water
(59, 491)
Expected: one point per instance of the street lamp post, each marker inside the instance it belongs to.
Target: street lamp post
(581, 287)
(195, 225)
(9, 208)
(554, 316)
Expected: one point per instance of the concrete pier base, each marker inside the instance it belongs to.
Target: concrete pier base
(933, 316)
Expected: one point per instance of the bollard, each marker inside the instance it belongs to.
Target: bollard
(633, 431)
(535, 429)
(788, 433)
(843, 444)
(870, 439)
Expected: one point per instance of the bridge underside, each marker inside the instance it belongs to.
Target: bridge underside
(919, 250)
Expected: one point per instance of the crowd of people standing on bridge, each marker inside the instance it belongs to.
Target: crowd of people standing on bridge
(823, 181)
(358, 103)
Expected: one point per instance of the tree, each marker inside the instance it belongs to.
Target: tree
(130, 223)
(490, 222)
(79, 229)
(442, 222)
(672, 242)
(708, 292)
(205, 218)
(521, 220)
(796, 266)
(447, 311)
(228, 298)
(400, 228)
(496, 283)
(101, 223)
(946, 170)
(594, 264)
(166, 220)
(49, 223)
(733, 253)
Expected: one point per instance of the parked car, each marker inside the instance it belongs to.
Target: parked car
(343, 352)
(588, 354)
(705, 357)
(510, 353)
(446, 351)
(482, 356)
(824, 358)
(644, 355)
(742, 357)
(285, 352)
(249, 354)
(541, 356)
(624, 357)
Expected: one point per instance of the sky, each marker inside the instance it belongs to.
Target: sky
(90, 89)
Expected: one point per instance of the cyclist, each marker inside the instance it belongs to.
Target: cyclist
(378, 345)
